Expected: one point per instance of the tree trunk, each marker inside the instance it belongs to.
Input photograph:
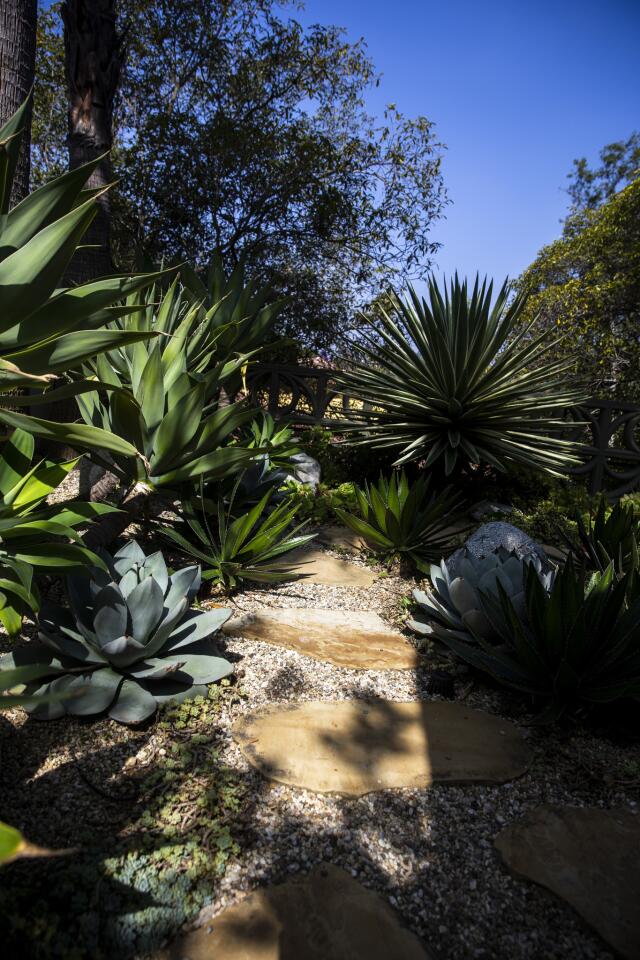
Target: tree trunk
(93, 58)
(18, 21)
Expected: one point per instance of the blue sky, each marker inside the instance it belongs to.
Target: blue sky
(518, 90)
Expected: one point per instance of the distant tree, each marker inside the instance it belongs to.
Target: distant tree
(238, 130)
(17, 70)
(50, 127)
(619, 166)
(587, 286)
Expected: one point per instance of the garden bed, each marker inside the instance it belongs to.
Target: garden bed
(171, 819)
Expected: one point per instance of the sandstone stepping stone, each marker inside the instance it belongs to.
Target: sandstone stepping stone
(353, 747)
(587, 856)
(319, 567)
(347, 638)
(325, 916)
(342, 538)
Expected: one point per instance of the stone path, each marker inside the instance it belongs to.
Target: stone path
(590, 858)
(317, 566)
(347, 638)
(326, 916)
(355, 747)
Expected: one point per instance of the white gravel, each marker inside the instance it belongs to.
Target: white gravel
(429, 851)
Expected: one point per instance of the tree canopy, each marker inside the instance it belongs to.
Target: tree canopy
(239, 130)
(587, 286)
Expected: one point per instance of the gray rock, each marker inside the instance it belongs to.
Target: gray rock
(307, 470)
(490, 536)
(480, 510)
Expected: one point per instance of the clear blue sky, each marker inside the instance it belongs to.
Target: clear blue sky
(518, 89)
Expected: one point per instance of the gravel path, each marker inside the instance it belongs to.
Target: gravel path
(430, 852)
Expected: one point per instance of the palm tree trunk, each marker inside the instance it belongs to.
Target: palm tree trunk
(18, 21)
(93, 57)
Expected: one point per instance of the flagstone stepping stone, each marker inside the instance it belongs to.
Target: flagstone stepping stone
(319, 567)
(353, 747)
(327, 915)
(342, 538)
(587, 856)
(347, 638)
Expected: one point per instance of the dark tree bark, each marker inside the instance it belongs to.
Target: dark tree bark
(18, 20)
(93, 55)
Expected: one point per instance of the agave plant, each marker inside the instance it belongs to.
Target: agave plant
(247, 547)
(405, 519)
(45, 329)
(171, 401)
(453, 608)
(451, 381)
(129, 641)
(32, 534)
(577, 645)
(612, 535)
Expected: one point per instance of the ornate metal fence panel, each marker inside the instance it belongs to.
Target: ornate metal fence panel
(610, 433)
(307, 395)
(609, 430)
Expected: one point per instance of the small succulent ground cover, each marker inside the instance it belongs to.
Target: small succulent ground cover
(156, 854)
(129, 641)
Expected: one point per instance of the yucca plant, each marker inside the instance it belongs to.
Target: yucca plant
(129, 641)
(33, 534)
(236, 548)
(455, 380)
(578, 643)
(403, 519)
(453, 606)
(46, 329)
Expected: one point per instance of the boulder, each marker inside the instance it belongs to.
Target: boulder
(489, 537)
(306, 470)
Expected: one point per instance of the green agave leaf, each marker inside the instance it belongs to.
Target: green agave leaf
(94, 692)
(134, 704)
(29, 276)
(76, 435)
(61, 353)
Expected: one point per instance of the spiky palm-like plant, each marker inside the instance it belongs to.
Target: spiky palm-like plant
(452, 378)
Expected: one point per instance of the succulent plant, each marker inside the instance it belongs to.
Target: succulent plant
(234, 548)
(457, 379)
(577, 645)
(612, 535)
(129, 641)
(454, 608)
(405, 519)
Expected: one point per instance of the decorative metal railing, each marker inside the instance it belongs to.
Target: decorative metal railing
(608, 429)
(610, 433)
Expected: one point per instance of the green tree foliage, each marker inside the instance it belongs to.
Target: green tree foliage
(586, 285)
(240, 130)
(619, 166)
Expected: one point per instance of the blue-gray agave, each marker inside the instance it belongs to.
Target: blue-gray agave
(453, 607)
(129, 641)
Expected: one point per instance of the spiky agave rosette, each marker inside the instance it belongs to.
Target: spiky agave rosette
(454, 606)
(129, 641)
